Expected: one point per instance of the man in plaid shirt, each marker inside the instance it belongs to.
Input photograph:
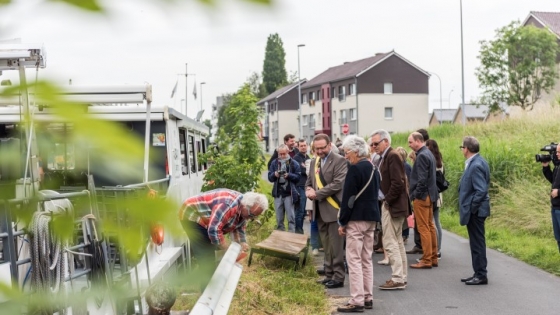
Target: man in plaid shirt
(207, 217)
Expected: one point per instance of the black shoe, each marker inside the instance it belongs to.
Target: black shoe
(415, 250)
(324, 281)
(333, 284)
(477, 281)
(321, 272)
(467, 279)
(368, 305)
(349, 308)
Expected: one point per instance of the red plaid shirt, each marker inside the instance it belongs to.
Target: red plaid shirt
(219, 211)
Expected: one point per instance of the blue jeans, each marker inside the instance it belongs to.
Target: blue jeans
(556, 225)
(315, 240)
(300, 211)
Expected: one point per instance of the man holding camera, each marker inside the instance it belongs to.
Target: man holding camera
(284, 172)
(554, 178)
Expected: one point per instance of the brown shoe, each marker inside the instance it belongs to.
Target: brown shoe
(390, 285)
(435, 264)
(421, 265)
(415, 250)
(349, 308)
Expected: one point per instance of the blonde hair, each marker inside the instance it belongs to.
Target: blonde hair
(412, 155)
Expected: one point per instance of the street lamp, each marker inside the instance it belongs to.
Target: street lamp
(462, 67)
(299, 93)
(440, 100)
(449, 99)
(183, 100)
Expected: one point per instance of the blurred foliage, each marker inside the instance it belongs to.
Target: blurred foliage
(517, 66)
(237, 160)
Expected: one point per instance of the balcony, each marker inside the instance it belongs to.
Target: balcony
(343, 121)
(341, 97)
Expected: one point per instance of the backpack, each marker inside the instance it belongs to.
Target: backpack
(441, 183)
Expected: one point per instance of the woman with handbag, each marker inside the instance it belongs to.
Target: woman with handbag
(359, 212)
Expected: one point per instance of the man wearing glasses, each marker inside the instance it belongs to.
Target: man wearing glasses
(474, 207)
(209, 216)
(324, 186)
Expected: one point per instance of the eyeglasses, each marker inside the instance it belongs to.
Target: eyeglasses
(374, 144)
(322, 148)
(348, 152)
(251, 216)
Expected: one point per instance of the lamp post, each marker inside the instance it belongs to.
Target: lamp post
(201, 106)
(462, 67)
(183, 100)
(449, 99)
(440, 100)
(299, 93)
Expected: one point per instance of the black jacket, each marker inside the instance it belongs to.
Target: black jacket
(366, 207)
(300, 158)
(554, 178)
(275, 155)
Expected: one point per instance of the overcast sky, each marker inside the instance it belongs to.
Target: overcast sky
(150, 40)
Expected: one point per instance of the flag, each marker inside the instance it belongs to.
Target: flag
(194, 90)
(174, 89)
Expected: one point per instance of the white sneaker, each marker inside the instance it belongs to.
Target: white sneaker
(383, 262)
(315, 252)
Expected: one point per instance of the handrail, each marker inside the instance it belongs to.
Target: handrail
(157, 181)
(217, 296)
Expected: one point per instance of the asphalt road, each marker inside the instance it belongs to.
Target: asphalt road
(514, 287)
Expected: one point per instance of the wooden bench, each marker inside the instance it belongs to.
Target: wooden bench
(283, 245)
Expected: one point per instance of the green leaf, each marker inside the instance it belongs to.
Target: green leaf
(89, 5)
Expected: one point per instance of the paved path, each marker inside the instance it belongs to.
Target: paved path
(514, 287)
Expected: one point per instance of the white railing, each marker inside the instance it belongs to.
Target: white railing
(217, 296)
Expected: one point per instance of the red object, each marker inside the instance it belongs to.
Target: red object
(345, 129)
(157, 233)
(241, 256)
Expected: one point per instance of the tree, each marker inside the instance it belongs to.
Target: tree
(517, 66)
(274, 67)
(238, 160)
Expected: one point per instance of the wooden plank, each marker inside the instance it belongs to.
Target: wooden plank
(285, 242)
(289, 237)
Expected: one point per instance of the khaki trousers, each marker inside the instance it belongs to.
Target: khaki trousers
(359, 248)
(393, 245)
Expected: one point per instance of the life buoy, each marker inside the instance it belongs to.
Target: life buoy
(156, 232)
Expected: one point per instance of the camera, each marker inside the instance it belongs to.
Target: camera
(551, 156)
(281, 173)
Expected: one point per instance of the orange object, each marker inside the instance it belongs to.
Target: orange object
(152, 194)
(157, 233)
(241, 256)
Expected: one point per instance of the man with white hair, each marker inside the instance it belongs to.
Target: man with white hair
(395, 207)
(207, 217)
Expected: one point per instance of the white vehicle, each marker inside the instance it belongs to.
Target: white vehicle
(50, 168)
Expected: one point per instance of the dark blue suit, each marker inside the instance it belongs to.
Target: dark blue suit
(474, 207)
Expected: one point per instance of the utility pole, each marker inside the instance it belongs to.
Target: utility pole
(186, 87)
(462, 67)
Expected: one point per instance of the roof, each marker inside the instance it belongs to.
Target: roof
(444, 115)
(354, 69)
(548, 19)
(281, 91)
(475, 111)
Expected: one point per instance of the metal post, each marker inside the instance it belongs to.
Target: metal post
(201, 105)
(449, 99)
(299, 94)
(462, 67)
(186, 88)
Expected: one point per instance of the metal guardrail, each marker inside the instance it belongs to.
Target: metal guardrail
(217, 296)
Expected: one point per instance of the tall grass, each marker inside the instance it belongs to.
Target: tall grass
(520, 222)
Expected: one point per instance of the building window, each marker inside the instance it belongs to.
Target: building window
(333, 92)
(192, 153)
(312, 121)
(388, 112)
(352, 89)
(327, 90)
(304, 120)
(304, 98)
(184, 157)
(318, 91)
(353, 115)
(334, 115)
(311, 95)
(388, 88)
(341, 90)
(343, 117)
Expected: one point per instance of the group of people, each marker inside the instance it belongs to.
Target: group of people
(348, 192)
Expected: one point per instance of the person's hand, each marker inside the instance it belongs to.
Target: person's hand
(311, 194)
(223, 246)
(341, 230)
(545, 164)
(286, 176)
(554, 193)
(244, 247)
(276, 174)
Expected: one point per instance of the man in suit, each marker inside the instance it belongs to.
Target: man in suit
(423, 191)
(474, 207)
(324, 186)
(395, 209)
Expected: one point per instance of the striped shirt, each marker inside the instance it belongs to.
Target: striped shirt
(218, 211)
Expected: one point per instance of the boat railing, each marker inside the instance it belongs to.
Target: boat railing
(217, 297)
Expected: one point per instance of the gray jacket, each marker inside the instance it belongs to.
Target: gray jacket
(423, 176)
